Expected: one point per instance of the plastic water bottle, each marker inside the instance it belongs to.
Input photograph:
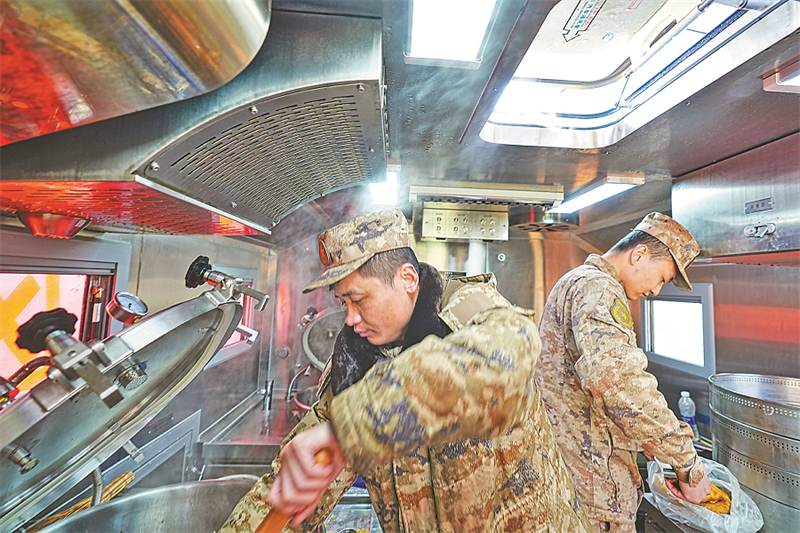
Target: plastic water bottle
(687, 408)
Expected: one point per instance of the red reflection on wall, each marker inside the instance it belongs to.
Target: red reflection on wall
(117, 204)
(756, 322)
(30, 104)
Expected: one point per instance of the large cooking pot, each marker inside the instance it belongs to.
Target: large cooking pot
(755, 423)
(99, 395)
(197, 507)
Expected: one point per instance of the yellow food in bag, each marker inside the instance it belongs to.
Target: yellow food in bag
(717, 501)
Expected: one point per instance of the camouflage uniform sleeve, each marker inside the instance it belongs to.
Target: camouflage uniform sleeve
(476, 382)
(253, 508)
(612, 370)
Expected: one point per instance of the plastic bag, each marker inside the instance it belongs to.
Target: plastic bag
(744, 517)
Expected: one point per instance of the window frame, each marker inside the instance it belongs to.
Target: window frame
(79, 255)
(702, 293)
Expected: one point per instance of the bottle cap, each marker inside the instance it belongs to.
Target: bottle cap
(684, 393)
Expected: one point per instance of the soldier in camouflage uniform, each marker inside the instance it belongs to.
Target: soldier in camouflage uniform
(429, 396)
(603, 405)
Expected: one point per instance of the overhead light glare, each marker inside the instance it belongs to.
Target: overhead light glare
(385, 193)
(592, 197)
(606, 188)
(449, 33)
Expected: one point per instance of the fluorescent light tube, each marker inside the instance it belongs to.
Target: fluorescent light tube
(385, 193)
(607, 190)
(449, 30)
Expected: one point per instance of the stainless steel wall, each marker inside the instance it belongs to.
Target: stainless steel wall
(297, 267)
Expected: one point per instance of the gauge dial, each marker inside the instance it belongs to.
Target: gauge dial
(126, 307)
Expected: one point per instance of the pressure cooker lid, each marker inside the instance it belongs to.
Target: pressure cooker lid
(53, 437)
(320, 335)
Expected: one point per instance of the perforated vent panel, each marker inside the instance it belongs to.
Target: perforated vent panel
(261, 161)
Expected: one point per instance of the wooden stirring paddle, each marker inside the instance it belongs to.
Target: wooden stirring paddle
(276, 520)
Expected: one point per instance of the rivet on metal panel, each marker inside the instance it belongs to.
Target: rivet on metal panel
(361, 87)
(154, 166)
(253, 110)
(371, 150)
(233, 205)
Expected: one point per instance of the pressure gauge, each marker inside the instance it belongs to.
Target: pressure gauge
(126, 307)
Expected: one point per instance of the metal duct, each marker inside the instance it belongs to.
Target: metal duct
(305, 118)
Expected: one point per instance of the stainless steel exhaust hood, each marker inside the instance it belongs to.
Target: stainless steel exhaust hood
(305, 118)
(66, 64)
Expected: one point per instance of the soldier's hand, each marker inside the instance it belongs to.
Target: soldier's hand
(692, 494)
(302, 481)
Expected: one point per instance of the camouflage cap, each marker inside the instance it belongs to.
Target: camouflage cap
(681, 244)
(344, 248)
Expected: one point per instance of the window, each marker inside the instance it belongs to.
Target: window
(679, 329)
(39, 274)
(24, 295)
(597, 71)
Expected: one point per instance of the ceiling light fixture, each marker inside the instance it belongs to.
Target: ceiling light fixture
(597, 191)
(449, 33)
(485, 193)
(53, 225)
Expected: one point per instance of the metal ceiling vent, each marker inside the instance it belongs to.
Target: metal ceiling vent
(262, 160)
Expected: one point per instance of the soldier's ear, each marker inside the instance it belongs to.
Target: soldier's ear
(409, 277)
(638, 253)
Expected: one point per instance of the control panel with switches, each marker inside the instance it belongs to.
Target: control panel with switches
(464, 224)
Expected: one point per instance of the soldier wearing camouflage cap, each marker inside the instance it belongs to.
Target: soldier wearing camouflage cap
(428, 396)
(603, 405)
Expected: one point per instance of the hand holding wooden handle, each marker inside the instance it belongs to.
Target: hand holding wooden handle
(276, 520)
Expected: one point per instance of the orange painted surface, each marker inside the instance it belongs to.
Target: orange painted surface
(21, 297)
(753, 322)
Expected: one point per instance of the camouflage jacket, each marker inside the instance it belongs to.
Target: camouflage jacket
(450, 434)
(603, 405)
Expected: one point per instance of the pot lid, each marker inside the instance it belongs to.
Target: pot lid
(320, 334)
(99, 395)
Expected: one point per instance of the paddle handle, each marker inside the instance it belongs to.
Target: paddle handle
(276, 520)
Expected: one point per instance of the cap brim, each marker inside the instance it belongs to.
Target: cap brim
(337, 273)
(681, 280)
